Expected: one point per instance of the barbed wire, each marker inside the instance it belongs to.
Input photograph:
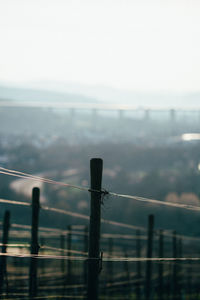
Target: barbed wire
(103, 192)
(38, 178)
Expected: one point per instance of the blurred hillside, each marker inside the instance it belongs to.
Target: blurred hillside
(76, 92)
(146, 153)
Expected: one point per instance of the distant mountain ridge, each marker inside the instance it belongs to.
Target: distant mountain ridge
(95, 94)
(31, 94)
(111, 95)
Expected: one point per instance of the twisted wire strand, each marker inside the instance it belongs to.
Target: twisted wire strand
(102, 192)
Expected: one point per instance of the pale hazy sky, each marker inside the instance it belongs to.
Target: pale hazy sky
(135, 44)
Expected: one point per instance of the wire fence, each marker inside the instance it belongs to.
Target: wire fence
(156, 262)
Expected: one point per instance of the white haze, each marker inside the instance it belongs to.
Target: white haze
(115, 50)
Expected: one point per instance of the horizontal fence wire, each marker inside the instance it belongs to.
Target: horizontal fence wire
(16, 245)
(85, 217)
(111, 259)
(45, 247)
(63, 250)
(73, 214)
(62, 297)
(158, 202)
(45, 297)
(38, 178)
(16, 173)
(14, 202)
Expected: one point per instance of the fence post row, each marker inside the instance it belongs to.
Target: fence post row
(92, 245)
(34, 242)
(3, 260)
(96, 168)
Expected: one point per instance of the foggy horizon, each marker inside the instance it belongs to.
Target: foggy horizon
(134, 45)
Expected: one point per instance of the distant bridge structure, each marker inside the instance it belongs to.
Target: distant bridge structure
(146, 113)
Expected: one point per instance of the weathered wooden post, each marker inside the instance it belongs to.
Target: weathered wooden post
(62, 247)
(160, 266)
(110, 263)
(189, 281)
(109, 266)
(128, 277)
(62, 262)
(69, 248)
(174, 271)
(138, 265)
(42, 251)
(85, 250)
(180, 275)
(3, 260)
(149, 256)
(96, 168)
(34, 243)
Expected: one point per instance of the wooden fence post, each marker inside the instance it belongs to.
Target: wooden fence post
(128, 277)
(109, 277)
(3, 260)
(96, 168)
(34, 242)
(138, 265)
(69, 248)
(110, 263)
(42, 251)
(180, 264)
(160, 266)
(62, 247)
(189, 281)
(174, 271)
(149, 255)
(85, 250)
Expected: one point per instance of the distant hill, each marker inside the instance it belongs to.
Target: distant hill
(106, 94)
(31, 94)
(96, 94)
